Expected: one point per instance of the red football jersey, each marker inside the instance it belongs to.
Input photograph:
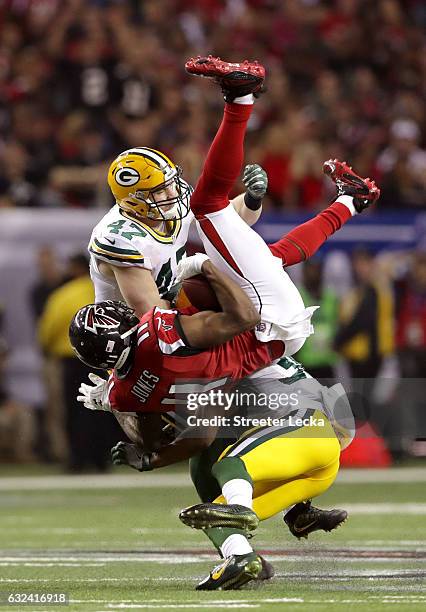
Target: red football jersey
(163, 358)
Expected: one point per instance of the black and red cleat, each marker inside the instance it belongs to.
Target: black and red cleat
(364, 191)
(235, 79)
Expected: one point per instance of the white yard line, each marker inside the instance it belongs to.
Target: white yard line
(101, 559)
(178, 480)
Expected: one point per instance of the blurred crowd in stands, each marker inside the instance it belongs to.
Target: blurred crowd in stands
(81, 80)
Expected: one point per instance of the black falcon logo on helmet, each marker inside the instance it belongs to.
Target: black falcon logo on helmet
(96, 318)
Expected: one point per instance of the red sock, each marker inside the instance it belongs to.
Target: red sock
(305, 240)
(223, 163)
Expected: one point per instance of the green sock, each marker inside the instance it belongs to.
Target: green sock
(230, 468)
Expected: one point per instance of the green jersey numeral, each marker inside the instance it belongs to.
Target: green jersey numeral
(165, 275)
(117, 227)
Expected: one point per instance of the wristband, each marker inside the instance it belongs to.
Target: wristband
(251, 202)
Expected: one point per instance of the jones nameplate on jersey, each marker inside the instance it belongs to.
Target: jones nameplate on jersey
(145, 385)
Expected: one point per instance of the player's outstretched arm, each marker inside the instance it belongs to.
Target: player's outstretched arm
(182, 448)
(206, 329)
(138, 288)
(125, 453)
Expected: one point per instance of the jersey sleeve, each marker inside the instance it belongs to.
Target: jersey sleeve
(124, 248)
(113, 394)
(118, 401)
(168, 331)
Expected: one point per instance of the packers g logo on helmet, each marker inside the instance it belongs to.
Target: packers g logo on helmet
(127, 177)
(147, 183)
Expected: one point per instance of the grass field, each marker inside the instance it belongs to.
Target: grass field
(115, 543)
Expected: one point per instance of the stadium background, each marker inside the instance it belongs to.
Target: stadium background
(82, 80)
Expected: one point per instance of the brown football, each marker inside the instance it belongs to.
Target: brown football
(200, 294)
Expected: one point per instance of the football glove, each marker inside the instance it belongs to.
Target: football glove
(190, 266)
(124, 453)
(95, 398)
(255, 180)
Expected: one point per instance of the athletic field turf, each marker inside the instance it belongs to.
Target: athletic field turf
(115, 543)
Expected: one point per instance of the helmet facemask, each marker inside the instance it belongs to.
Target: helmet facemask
(167, 201)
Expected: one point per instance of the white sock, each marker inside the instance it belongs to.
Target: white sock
(347, 201)
(238, 491)
(248, 99)
(235, 544)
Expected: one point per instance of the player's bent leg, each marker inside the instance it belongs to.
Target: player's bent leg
(208, 489)
(232, 477)
(314, 451)
(275, 500)
(237, 487)
(279, 482)
(270, 498)
(200, 469)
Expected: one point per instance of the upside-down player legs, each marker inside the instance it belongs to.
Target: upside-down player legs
(231, 244)
(234, 247)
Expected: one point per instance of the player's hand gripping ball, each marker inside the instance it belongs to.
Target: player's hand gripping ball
(195, 290)
(190, 266)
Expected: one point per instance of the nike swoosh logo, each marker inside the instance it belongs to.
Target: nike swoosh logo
(110, 241)
(300, 529)
(217, 574)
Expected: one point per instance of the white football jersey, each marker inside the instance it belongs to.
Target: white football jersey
(121, 240)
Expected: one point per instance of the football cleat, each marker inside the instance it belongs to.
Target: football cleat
(303, 519)
(364, 191)
(235, 79)
(205, 516)
(267, 572)
(232, 573)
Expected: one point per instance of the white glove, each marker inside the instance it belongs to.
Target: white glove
(190, 266)
(95, 398)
